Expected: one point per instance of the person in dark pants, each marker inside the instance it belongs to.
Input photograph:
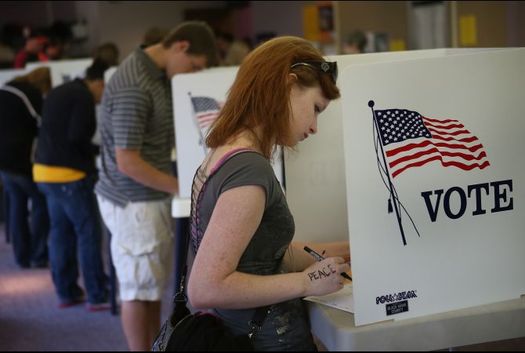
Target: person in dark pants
(65, 172)
(21, 102)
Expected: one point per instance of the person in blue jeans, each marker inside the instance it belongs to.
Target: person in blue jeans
(27, 221)
(75, 224)
(29, 239)
(65, 172)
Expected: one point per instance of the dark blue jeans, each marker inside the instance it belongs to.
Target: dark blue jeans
(75, 228)
(28, 229)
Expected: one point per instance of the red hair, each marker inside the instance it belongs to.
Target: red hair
(260, 94)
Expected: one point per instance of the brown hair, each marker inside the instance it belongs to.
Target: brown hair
(108, 52)
(201, 39)
(154, 35)
(260, 94)
(39, 77)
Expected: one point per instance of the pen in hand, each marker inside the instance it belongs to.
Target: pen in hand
(318, 257)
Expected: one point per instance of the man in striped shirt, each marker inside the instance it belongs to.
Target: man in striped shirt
(136, 184)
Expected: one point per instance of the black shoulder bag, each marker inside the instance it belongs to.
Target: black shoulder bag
(200, 331)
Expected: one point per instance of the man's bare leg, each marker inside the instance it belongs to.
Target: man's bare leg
(141, 323)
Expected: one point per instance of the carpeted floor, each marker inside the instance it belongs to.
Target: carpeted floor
(30, 319)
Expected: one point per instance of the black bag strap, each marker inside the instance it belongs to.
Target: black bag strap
(180, 297)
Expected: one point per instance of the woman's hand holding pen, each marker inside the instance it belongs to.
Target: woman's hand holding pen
(325, 277)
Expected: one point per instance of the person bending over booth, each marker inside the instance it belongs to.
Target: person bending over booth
(21, 100)
(136, 181)
(65, 172)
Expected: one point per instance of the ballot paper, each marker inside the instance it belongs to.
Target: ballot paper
(342, 299)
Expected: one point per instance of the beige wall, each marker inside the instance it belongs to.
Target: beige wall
(281, 17)
(377, 16)
(125, 22)
(498, 23)
(516, 23)
(491, 21)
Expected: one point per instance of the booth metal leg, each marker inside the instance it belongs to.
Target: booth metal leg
(181, 234)
(5, 209)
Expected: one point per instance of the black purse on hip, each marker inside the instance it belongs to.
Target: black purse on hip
(201, 331)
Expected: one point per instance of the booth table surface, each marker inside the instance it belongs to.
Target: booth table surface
(487, 323)
(180, 207)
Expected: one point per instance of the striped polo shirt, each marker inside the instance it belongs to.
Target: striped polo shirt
(136, 113)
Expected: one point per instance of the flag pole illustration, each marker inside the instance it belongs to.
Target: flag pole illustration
(390, 185)
(410, 140)
(205, 111)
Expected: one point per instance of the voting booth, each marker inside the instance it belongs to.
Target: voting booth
(63, 70)
(433, 190)
(9, 74)
(435, 183)
(432, 214)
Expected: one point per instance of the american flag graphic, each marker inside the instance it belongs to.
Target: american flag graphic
(412, 140)
(206, 110)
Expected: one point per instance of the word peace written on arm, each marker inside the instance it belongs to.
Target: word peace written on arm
(321, 273)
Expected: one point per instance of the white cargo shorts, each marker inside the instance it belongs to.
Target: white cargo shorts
(141, 247)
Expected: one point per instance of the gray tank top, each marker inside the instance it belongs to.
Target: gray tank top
(286, 327)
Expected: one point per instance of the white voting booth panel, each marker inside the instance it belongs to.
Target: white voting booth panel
(458, 241)
(208, 90)
(63, 70)
(315, 175)
(96, 138)
(8, 74)
(109, 72)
